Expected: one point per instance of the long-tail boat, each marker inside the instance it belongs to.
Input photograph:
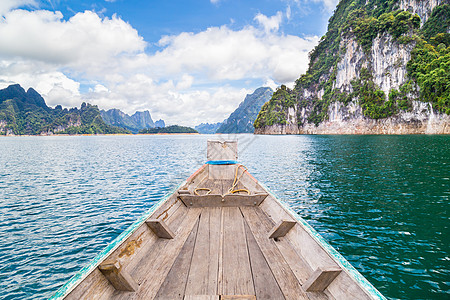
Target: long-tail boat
(220, 235)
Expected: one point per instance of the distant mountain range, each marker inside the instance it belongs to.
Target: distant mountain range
(26, 113)
(242, 119)
(206, 128)
(134, 123)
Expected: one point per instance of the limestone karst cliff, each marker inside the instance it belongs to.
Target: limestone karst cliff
(383, 67)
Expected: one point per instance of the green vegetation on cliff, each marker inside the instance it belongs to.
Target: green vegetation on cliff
(272, 112)
(429, 66)
(168, 129)
(363, 21)
(139, 120)
(25, 113)
(242, 119)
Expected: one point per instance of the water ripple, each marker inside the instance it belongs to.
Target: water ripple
(382, 201)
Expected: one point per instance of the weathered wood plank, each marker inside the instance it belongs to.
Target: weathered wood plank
(238, 297)
(230, 200)
(161, 258)
(174, 285)
(140, 255)
(203, 274)
(160, 228)
(221, 171)
(201, 297)
(311, 251)
(344, 287)
(266, 287)
(300, 268)
(282, 272)
(237, 276)
(220, 271)
(117, 276)
(321, 279)
(281, 228)
(95, 286)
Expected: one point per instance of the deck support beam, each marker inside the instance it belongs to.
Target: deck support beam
(281, 229)
(160, 228)
(119, 279)
(321, 279)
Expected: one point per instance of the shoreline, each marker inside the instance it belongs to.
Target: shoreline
(101, 134)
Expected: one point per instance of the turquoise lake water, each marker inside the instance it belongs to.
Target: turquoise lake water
(381, 201)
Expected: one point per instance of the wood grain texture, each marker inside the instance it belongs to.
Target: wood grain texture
(201, 297)
(117, 276)
(161, 258)
(260, 225)
(237, 276)
(95, 286)
(137, 267)
(281, 228)
(203, 274)
(266, 287)
(222, 201)
(321, 279)
(238, 297)
(160, 228)
(174, 285)
(313, 254)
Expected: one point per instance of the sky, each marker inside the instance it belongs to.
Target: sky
(187, 62)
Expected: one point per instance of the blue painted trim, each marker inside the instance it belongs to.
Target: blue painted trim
(362, 281)
(221, 162)
(84, 272)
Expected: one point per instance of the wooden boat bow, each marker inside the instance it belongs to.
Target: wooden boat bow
(219, 245)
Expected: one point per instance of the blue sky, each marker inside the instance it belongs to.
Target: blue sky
(186, 61)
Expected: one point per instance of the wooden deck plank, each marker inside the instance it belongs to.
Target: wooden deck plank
(160, 228)
(281, 228)
(203, 273)
(161, 258)
(266, 287)
(214, 185)
(285, 277)
(237, 276)
(174, 285)
(230, 200)
(321, 279)
(220, 271)
(137, 267)
(201, 297)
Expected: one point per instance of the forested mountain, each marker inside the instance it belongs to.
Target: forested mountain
(382, 67)
(139, 120)
(25, 112)
(168, 129)
(242, 119)
(206, 128)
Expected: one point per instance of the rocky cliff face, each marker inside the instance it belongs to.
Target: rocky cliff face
(26, 113)
(420, 7)
(139, 120)
(242, 119)
(369, 89)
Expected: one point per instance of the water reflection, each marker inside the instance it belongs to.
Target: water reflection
(382, 201)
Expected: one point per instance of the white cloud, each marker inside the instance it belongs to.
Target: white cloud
(84, 39)
(270, 23)
(7, 5)
(220, 53)
(191, 79)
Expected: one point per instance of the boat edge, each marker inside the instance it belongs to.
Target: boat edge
(341, 260)
(70, 285)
